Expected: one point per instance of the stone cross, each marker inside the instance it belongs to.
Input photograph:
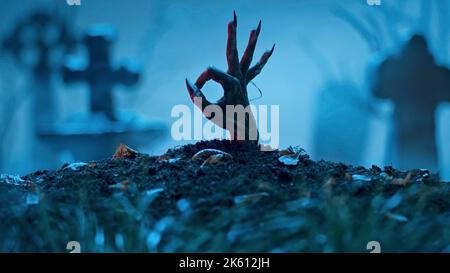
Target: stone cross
(38, 42)
(101, 75)
(416, 85)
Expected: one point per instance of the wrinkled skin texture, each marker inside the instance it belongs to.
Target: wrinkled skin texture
(234, 83)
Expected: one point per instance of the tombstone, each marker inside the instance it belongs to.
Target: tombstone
(96, 134)
(416, 85)
(101, 75)
(39, 41)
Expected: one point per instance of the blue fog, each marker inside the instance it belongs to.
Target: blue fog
(320, 74)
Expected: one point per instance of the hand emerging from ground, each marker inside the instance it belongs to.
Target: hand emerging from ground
(242, 126)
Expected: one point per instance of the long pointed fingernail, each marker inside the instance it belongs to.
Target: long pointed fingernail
(234, 18)
(258, 29)
(189, 88)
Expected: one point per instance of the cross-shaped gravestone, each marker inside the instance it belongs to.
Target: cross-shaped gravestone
(35, 39)
(416, 85)
(38, 42)
(101, 74)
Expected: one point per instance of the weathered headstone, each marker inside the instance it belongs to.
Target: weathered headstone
(96, 134)
(101, 75)
(39, 42)
(416, 85)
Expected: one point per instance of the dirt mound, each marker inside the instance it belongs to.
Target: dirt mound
(230, 197)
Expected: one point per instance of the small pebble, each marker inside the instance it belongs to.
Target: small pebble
(75, 166)
(289, 160)
(359, 177)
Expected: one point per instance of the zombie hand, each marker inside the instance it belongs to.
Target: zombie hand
(234, 83)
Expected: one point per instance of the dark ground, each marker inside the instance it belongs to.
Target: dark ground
(249, 203)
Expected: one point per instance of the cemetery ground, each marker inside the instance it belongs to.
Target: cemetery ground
(242, 200)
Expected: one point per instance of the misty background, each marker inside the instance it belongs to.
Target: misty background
(317, 49)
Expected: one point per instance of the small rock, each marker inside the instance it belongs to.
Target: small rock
(291, 156)
(360, 177)
(294, 150)
(173, 160)
(75, 166)
(386, 176)
(289, 160)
